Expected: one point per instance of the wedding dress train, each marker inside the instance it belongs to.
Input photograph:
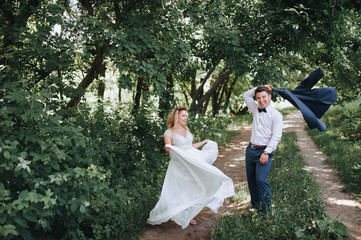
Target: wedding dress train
(191, 182)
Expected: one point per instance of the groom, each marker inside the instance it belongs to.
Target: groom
(266, 134)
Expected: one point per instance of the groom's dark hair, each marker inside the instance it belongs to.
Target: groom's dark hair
(261, 89)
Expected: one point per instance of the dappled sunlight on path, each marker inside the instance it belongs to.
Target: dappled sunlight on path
(231, 159)
(338, 205)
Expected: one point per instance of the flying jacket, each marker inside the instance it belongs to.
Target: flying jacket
(312, 103)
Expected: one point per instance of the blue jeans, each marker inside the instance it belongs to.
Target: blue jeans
(257, 174)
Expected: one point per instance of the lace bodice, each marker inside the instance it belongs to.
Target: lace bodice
(179, 140)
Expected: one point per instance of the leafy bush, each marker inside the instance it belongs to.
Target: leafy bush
(342, 143)
(86, 176)
(208, 127)
(297, 212)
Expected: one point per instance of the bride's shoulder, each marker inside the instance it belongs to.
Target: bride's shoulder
(169, 132)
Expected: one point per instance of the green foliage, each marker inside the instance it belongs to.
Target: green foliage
(209, 127)
(342, 143)
(297, 208)
(61, 43)
(77, 174)
(87, 176)
(323, 228)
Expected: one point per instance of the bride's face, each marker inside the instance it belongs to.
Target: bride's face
(182, 117)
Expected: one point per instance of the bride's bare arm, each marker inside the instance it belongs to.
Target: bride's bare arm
(199, 144)
(167, 140)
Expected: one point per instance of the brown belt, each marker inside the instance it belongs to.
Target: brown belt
(257, 146)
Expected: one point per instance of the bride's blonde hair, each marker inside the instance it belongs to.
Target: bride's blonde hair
(173, 118)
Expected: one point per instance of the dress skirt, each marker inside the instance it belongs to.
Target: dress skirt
(191, 183)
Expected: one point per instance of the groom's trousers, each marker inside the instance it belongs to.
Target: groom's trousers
(257, 174)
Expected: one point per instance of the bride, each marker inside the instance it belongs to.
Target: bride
(191, 182)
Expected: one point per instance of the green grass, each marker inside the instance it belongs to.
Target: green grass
(297, 206)
(342, 143)
(285, 111)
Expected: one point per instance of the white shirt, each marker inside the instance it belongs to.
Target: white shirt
(266, 127)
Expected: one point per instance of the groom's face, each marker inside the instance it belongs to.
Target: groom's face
(263, 99)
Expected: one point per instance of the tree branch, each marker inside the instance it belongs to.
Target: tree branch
(198, 92)
(195, 107)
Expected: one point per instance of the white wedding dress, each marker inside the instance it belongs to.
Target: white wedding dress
(191, 182)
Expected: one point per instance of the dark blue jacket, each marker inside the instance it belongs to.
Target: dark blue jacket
(312, 103)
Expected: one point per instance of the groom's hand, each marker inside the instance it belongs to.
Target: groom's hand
(270, 87)
(263, 159)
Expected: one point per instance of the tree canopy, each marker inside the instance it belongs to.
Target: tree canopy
(158, 47)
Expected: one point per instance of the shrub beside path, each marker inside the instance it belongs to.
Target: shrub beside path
(231, 161)
(338, 205)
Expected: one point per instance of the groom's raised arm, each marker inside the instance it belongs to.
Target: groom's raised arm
(248, 98)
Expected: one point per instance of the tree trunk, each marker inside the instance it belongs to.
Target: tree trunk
(204, 109)
(216, 99)
(145, 92)
(101, 90)
(193, 84)
(166, 98)
(229, 92)
(185, 93)
(196, 107)
(97, 67)
(138, 94)
(61, 85)
(198, 94)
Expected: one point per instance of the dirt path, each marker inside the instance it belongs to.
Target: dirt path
(231, 161)
(338, 205)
